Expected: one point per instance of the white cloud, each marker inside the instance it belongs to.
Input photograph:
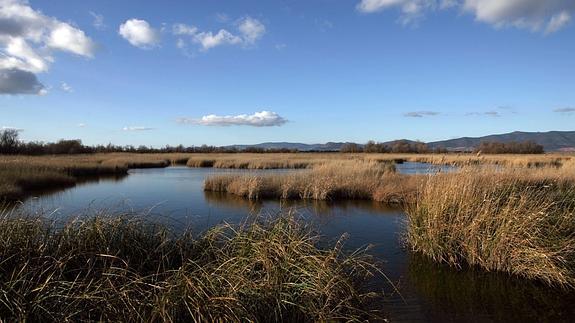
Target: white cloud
(139, 33)
(27, 40)
(420, 114)
(67, 38)
(558, 21)
(66, 88)
(251, 30)
(98, 22)
(81, 125)
(258, 119)
(183, 29)
(137, 128)
(537, 15)
(22, 56)
(411, 10)
(208, 40)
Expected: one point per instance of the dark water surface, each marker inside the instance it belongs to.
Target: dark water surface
(429, 292)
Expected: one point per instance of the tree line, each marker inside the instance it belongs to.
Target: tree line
(513, 147)
(398, 147)
(10, 144)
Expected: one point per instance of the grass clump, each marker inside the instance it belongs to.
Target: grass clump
(123, 268)
(517, 222)
(331, 181)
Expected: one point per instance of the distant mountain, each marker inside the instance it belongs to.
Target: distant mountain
(330, 146)
(551, 141)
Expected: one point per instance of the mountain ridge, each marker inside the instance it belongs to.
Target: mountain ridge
(550, 140)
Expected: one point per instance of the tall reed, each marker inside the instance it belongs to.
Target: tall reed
(330, 181)
(518, 222)
(124, 268)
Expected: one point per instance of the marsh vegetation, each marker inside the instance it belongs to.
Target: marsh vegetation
(125, 268)
(503, 213)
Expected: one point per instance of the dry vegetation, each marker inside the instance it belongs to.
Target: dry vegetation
(20, 175)
(122, 268)
(368, 180)
(521, 222)
(516, 217)
(308, 160)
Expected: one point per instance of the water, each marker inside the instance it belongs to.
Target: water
(429, 292)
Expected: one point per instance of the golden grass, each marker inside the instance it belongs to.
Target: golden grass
(517, 221)
(329, 181)
(19, 175)
(264, 161)
(308, 160)
(511, 219)
(123, 268)
(522, 161)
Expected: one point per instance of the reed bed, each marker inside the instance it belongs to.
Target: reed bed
(60, 171)
(517, 220)
(309, 160)
(462, 160)
(124, 268)
(520, 222)
(264, 161)
(330, 181)
(20, 175)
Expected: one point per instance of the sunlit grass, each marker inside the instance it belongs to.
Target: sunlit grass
(521, 222)
(123, 268)
(330, 181)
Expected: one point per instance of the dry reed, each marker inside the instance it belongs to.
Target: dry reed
(123, 268)
(520, 222)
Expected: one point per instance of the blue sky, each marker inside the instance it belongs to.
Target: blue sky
(236, 72)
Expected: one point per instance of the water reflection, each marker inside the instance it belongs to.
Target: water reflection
(429, 292)
(474, 295)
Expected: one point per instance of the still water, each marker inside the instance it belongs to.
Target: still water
(428, 292)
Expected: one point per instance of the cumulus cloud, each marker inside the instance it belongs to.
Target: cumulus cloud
(536, 15)
(27, 40)
(15, 81)
(139, 33)
(564, 110)
(137, 128)
(223, 37)
(420, 114)
(67, 38)
(81, 125)
(258, 119)
(249, 31)
(546, 16)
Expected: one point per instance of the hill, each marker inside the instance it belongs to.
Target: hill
(551, 141)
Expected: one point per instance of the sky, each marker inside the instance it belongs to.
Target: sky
(194, 72)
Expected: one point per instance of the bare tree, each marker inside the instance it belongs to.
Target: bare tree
(9, 141)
